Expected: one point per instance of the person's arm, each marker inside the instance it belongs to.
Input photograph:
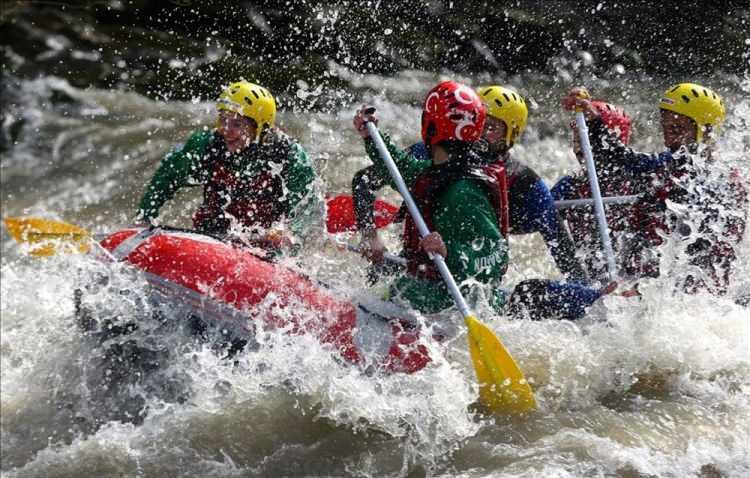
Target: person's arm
(173, 173)
(564, 189)
(365, 184)
(606, 147)
(409, 166)
(738, 209)
(303, 204)
(546, 220)
(467, 222)
(368, 181)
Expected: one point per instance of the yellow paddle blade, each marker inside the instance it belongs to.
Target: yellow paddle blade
(502, 386)
(46, 237)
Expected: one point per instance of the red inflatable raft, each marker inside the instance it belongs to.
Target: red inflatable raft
(237, 288)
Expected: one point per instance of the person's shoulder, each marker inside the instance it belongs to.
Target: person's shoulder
(279, 140)
(201, 135)
(198, 139)
(277, 136)
(194, 147)
(419, 151)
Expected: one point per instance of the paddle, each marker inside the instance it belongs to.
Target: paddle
(47, 237)
(573, 203)
(596, 194)
(341, 216)
(502, 386)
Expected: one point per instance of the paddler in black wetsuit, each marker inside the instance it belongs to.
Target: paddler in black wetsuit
(614, 180)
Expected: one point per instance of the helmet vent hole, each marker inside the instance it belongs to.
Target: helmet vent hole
(695, 93)
(705, 92)
(248, 101)
(674, 89)
(515, 97)
(685, 99)
(498, 103)
(486, 92)
(455, 117)
(256, 94)
(507, 98)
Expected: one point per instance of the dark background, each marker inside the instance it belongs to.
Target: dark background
(179, 49)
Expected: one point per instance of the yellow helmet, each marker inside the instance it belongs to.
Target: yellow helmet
(508, 106)
(696, 102)
(250, 100)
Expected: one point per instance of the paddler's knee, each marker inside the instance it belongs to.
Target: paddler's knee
(547, 299)
(528, 300)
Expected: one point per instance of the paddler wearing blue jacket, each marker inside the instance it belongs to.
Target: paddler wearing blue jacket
(251, 173)
(532, 209)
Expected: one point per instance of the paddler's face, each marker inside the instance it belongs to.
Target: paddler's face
(238, 131)
(678, 129)
(495, 131)
(439, 155)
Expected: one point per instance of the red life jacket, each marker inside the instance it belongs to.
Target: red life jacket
(648, 213)
(495, 181)
(253, 199)
(581, 221)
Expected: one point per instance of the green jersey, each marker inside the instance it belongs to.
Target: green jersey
(464, 216)
(259, 185)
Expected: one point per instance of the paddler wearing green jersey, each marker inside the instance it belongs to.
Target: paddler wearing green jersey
(460, 201)
(250, 171)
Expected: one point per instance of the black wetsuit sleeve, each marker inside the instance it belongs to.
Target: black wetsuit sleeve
(532, 209)
(364, 185)
(564, 253)
(609, 151)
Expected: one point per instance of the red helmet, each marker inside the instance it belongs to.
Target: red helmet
(452, 112)
(614, 118)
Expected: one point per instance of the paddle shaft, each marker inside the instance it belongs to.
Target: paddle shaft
(583, 132)
(417, 216)
(393, 259)
(573, 203)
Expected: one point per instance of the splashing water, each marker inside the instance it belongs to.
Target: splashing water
(658, 385)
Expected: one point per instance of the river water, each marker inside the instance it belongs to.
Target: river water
(655, 386)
